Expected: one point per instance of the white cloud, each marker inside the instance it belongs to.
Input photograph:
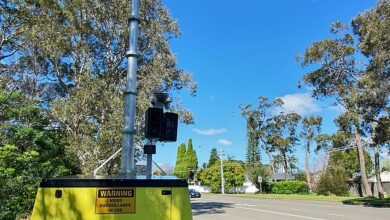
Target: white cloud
(301, 103)
(224, 142)
(210, 132)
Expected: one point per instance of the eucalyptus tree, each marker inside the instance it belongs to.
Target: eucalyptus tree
(380, 137)
(361, 86)
(372, 28)
(258, 127)
(337, 75)
(71, 56)
(283, 136)
(311, 127)
(12, 20)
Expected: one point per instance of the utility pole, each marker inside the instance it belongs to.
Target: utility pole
(222, 177)
(128, 132)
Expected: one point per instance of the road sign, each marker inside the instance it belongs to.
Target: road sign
(260, 180)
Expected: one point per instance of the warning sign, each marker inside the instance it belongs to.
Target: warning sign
(115, 201)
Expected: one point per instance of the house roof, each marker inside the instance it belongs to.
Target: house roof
(280, 176)
(385, 177)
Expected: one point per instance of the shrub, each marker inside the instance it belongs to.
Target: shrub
(290, 187)
(333, 182)
(301, 176)
(211, 176)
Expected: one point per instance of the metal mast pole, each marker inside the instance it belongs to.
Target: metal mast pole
(222, 177)
(127, 163)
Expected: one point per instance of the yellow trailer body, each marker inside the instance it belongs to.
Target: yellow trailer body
(112, 198)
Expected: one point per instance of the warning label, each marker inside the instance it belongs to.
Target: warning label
(115, 201)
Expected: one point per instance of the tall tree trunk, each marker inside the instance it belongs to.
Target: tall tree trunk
(308, 177)
(378, 173)
(362, 163)
(285, 165)
(272, 163)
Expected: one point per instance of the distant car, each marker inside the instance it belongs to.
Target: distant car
(194, 193)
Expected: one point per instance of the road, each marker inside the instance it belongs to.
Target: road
(214, 207)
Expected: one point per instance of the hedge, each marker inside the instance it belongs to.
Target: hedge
(290, 187)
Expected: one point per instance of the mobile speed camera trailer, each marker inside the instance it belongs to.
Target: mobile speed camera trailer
(125, 196)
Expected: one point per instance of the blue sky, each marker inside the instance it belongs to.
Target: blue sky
(239, 50)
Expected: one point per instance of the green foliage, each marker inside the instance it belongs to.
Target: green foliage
(372, 27)
(311, 127)
(253, 172)
(19, 177)
(333, 182)
(191, 157)
(350, 161)
(211, 177)
(233, 173)
(277, 132)
(92, 125)
(252, 149)
(25, 125)
(71, 56)
(179, 169)
(290, 187)
(13, 18)
(213, 157)
(363, 90)
(259, 122)
(186, 161)
(30, 150)
(283, 136)
(382, 131)
(301, 176)
(191, 161)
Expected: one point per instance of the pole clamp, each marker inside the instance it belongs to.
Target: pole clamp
(128, 131)
(132, 54)
(126, 92)
(133, 18)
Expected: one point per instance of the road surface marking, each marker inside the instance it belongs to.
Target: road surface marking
(244, 204)
(282, 213)
(218, 200)
(295, 209)
(336, 215)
